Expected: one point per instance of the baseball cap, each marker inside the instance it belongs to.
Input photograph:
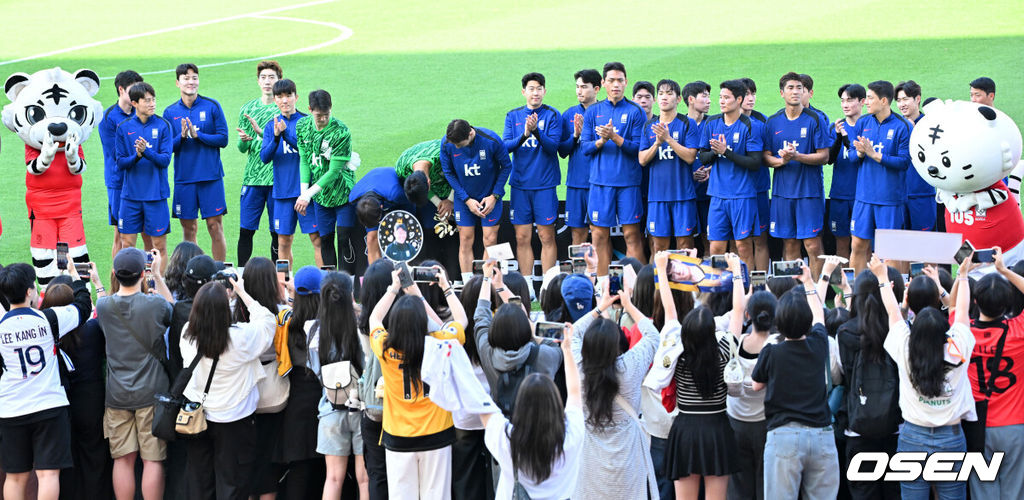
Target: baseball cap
(578, 293)
(307, 280)
(129, 262)
(201, 268)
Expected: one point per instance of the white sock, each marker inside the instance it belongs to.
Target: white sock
(466, 277)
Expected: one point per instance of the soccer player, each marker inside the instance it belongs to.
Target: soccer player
(280, 148)
(476, 164)
(807, 95)
(983, 91)
(697, 96)
(380, 191)
(532, 135)
(844, 173)
(764, 181)
(920, 212)
(731, 145)
(668, 147)
(145, 143)
(257, 178)
(577, 173)
(643, 95)
(327, 169)
(198, 172)
(611, 138)
(796, 146)
(883, 156)
(114, 178)
(425, 157)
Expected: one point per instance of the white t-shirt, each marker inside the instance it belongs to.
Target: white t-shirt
(562, 481)
(956, 401)
(31, 378)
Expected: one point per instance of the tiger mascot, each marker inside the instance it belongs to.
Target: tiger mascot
(53, 112)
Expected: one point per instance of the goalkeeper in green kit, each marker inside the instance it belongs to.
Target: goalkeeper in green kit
(425, 157)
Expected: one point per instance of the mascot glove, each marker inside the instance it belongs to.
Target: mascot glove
(48, 150)
(71, 149)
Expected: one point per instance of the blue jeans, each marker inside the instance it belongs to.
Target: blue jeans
(930, 440)
(801, 460)
(665, 486)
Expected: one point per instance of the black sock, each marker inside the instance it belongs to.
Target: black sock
(327, 253)
(346, 255)
(244, 245)
(273, 246)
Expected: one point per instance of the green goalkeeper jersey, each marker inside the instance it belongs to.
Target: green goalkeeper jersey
(429, 151)
(323, 160)
(256, 172)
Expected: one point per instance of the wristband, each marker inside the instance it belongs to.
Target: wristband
(884, 284)
(487, 279)
(499, 290)
(737, 278)
(446, 291)
(847, 296)
(101, 290)
(811, 292)
(944, 294)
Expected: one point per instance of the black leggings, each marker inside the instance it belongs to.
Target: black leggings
(245, 237)
(373, 454)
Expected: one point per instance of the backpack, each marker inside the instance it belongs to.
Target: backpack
(872, 398)
(508, 382)
(373, 404)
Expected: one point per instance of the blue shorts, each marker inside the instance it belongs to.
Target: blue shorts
(610, 206)
(113, 206)
(285, 217)
(764, 211)
(866, 217)
(205, 198)
(149, 217)
(576, 207)
(920, 213)
(465, 218)
(328, 218)
(672, 218)
(250, 208)
(732, 219)
(534, 206)
(797, 218)
(839, 217)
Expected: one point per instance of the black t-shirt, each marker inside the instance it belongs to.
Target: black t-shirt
(794, 372)
(89, 353)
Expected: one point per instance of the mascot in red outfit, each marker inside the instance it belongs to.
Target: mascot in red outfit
(53, 112)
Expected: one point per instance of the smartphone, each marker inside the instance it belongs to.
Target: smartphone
(282, 269)
(515, 300)
(328, 267)
(84, 269)
(851, 275)
(228, 265)
(984, 256)
(719, 262)
(550, 330)
(836, 278)
(404, 275)
(615, 273)
(62, 255)
(579, 266)
(565, 267)
(758, 280)
(577, 251)
(478, 267)
(963, 252)
(916, 269)
(424, 274)
(787, 268)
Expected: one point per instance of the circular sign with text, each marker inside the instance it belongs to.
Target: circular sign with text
(400, 236)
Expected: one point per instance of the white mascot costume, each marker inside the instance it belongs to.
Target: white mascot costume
(53, 112)
(965, 150)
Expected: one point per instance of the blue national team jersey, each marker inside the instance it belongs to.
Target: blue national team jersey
(283, 152)
(844, 172)
(826, 125)
(198, 160)
(145, 178)
(885, 182)
(764, 175)
(479, 169)
(671, 178)
(112, 177)
(534, 159)
(795, 179)
(612, 165)
(916, 185)
(385, 182)
(577, 174)
(693, 137)
(727, 179)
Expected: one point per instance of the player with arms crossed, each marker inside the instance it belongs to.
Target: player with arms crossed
(114, 178)
(257, 177)
(577, 173)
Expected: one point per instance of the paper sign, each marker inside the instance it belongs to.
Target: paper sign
(628, 277)
(917, 246)
(501, 251)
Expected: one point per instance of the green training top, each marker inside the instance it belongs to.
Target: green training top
(256, 172)
(323, 160)
(429, 151)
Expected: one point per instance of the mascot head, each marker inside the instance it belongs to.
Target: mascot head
(52, 101)
(962, 147)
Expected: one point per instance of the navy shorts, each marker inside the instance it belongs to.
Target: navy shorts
(113, 205)
(839, 212)
(867, 217)
(797, 218)
(149, 217)
(465, 218)
(285, 217)
(732, 219)
(199, 198)
(672, 218)
(40, 443)
(920, 213)
(328, 218)
(534, 206)
(250, 208)
(764, 211)
(576, 207)
(610, 206)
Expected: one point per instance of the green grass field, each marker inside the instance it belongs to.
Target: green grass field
(408, 68)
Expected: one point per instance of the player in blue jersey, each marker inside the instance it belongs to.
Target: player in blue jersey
(808, 94)
(280, 148)
(145, 143)
(883, 157)
(731, 146)
(611, 138)
(920, 213)
(697, 96)
(844, 172)
(198, 172)
(577, 174)
(796, 146)
(380, 191)
(643, 96)
(764, 181)
(983, 91)
(532, 135)
(668, 147)
(476, 164)
(113, 178)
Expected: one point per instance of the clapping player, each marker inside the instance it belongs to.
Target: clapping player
(577, 173)
(257, 177)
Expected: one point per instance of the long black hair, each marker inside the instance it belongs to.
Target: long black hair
(537, 430)
(304, 308)
(174, 276)
(684, 304)
(434, 294)
(510, 328)
(337, 321)
(376, 281)
(210, 320)
(552, 302)
(260, 279)
(600, 350)
(644, 291)
(407, 326)
(922, 293)
(871, 318)
(701, 356)
(927, 361)
(469, 298)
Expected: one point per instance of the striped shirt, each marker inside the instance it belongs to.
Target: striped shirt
(688, 397)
